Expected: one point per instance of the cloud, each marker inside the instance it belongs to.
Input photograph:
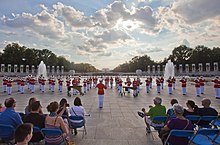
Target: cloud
(104, 54)
(148, 50)
(194, 11)
(43, 23)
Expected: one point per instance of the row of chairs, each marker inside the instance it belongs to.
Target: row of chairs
(7, 131)
(204, 136)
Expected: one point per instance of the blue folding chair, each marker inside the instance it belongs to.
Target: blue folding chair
(208, 120)
(77, 122)
(36, 130)
(7, 133)
(204, 136)
(179, 133)
(53, 136)
(160, 120)
(194, 119)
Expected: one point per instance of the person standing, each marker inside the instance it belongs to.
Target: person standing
(161, 81)
(9, 86)
(174, 82)
(111, 82)
(158, 85)
(5, 82)
(170, 83)
(22, 85)
(19, 83)
(43, 80)
(147, 85)
(84, 85)
(197, 85)
(60, 82)
(183, 81)
(202, 84)
(134, 84)
(216, 82)
(101, 88)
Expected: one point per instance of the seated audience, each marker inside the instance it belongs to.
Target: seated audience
(190, 108)
(23, 133)
(55, 121)
(9, 116)
(179, 123)
(77, 110)
(63, 111)
(28, 108)
(36, 119)
(157, 110)
(170, 111)
(206, 110)
(1, 108)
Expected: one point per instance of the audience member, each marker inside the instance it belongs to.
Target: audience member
(179, 123)
(206, 110)
(55, 121)
(36, 119)
(77, 110)
(1, 108)
(170, 111)
(63, 111)
(157, 110)
(190, 108)
(23, 133)
(9, 116)
(28, 108)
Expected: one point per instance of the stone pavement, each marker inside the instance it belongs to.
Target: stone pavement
(117, 123)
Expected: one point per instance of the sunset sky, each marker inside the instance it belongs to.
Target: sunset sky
(106, 33)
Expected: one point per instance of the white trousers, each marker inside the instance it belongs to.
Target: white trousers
(170, 90)
(52, 88)
(184, 90)
(60, 88)
(22, 89)
(9, 90)
(101, 100)
(5, 88)
(147, 89)
(202, 89)
(19, 87)
(120, 89)
(197, 91)
(42, 88)
(158, 89)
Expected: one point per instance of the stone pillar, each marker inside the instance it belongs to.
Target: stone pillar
(163, 68)
(15, 68)
(158, 69)
(9, 68)
(193, 68)
(200, 67)
(2, 67)
(27, 69)
(148, 69)
(48, 69)
(207, 68)
(53, 69)
(187, 68)
(32, 69)
(21, 68)
(180, 68)
(153, 69)
(215, 66)
(58, 69)
(62, 69)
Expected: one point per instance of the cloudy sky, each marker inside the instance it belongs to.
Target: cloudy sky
(106, 33)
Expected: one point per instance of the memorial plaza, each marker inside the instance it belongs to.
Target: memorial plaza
(118, 122)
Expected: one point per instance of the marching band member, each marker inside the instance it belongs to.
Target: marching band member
(84, 85)
(128, 84)
(197, 85)
(216, 82)
(5, 82)
(53, 81)
(170, 83)
(43, 80)
(134, 84)
(120, 86)
(9, 86)
(147, 85)
(60, 82)
(101, 88)
(19, 83)
(183, 81)
(32, 83)
(22, 85)
(174, 82)
(158, 81)
(202, 84)
(161, 82)
(151, 82)
(111, 82)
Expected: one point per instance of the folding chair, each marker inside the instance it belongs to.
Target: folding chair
(204, 136)
(77, 122)
(53, 136)
(7, 133)
(179, 133)
(36, 129)
(208, 120)
(160, 120)
(194, 119)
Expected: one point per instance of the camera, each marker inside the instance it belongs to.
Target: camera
(67, 105)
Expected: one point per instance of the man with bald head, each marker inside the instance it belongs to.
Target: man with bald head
(206, 110)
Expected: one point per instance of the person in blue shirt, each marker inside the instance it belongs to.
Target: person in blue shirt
(9, 116)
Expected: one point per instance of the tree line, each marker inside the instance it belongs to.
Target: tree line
(21, 55)
(15, 54)
(180, 55)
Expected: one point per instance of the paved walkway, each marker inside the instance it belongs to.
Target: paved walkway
(117, 123)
